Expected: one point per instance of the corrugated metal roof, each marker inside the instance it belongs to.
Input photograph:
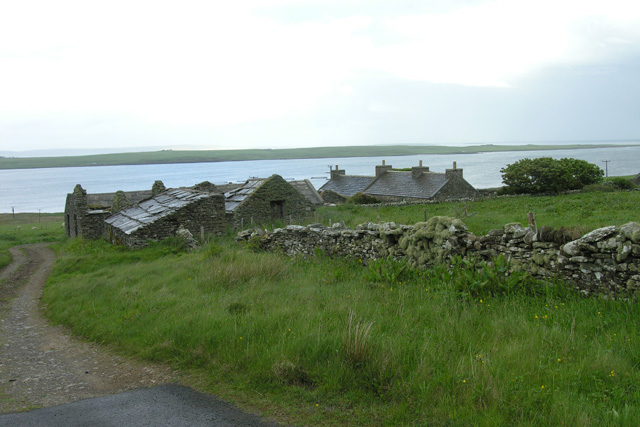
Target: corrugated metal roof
(149, 211)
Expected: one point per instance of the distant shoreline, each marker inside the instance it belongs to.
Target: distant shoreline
(211, 156)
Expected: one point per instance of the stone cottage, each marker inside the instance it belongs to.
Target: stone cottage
(200, 211)
(261, 200)
(390, 185)
(85, 213)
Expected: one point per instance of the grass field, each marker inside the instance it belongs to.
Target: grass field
(580, 211)
(26, 228)
(175, 156)
(333, 342)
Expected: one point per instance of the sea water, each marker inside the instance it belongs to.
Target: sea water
(45, 190)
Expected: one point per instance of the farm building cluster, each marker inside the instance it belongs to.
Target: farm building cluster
(136, 217)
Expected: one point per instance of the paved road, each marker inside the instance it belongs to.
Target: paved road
(167, 405)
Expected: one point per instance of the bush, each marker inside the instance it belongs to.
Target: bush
(611, 185)
(547, 175)
(621, 183)
(599, 188)
(363, 199)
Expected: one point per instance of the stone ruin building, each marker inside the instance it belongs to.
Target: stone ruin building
(136, 217)
(199, 212)
(390, 185)
(261, 200)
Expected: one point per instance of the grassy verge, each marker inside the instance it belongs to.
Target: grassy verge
(334, 342)
(580, 211)
(176, 156)
(331, 342)
(27, 228)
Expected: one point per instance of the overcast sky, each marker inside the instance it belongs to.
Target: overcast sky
(296, 73)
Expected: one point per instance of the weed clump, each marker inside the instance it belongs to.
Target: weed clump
(288, 373)
(389, 271)
(481, 279)
(362, 199)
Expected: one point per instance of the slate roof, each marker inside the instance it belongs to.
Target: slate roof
(307, 189)
(225, 188)
(402, 184)
(347, 185)
(235, 197)
(105, 200)
(390, 183)
(148, 211)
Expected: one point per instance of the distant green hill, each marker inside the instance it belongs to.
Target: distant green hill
(171, 156)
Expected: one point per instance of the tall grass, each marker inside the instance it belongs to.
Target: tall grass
(332, 341)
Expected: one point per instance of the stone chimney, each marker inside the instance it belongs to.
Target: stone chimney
(416, 171)
(336, 172)
(157, 188)
(455, 172)
(382, 169)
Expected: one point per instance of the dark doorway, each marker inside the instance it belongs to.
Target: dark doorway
(277, 209)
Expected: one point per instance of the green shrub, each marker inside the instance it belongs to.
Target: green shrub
(362, 199)
(621, 183)
(610, 185)
(547, 175)
(599, 188)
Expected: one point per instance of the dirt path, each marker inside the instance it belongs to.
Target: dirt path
(42, 365)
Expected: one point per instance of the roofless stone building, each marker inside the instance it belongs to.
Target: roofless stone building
(390, 185)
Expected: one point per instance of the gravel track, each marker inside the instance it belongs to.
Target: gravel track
(43, 365)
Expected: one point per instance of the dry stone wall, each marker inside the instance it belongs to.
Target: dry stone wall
(604, 261)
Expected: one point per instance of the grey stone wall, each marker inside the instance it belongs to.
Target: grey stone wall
(605, 261)
(74, 211)
(79, 221)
